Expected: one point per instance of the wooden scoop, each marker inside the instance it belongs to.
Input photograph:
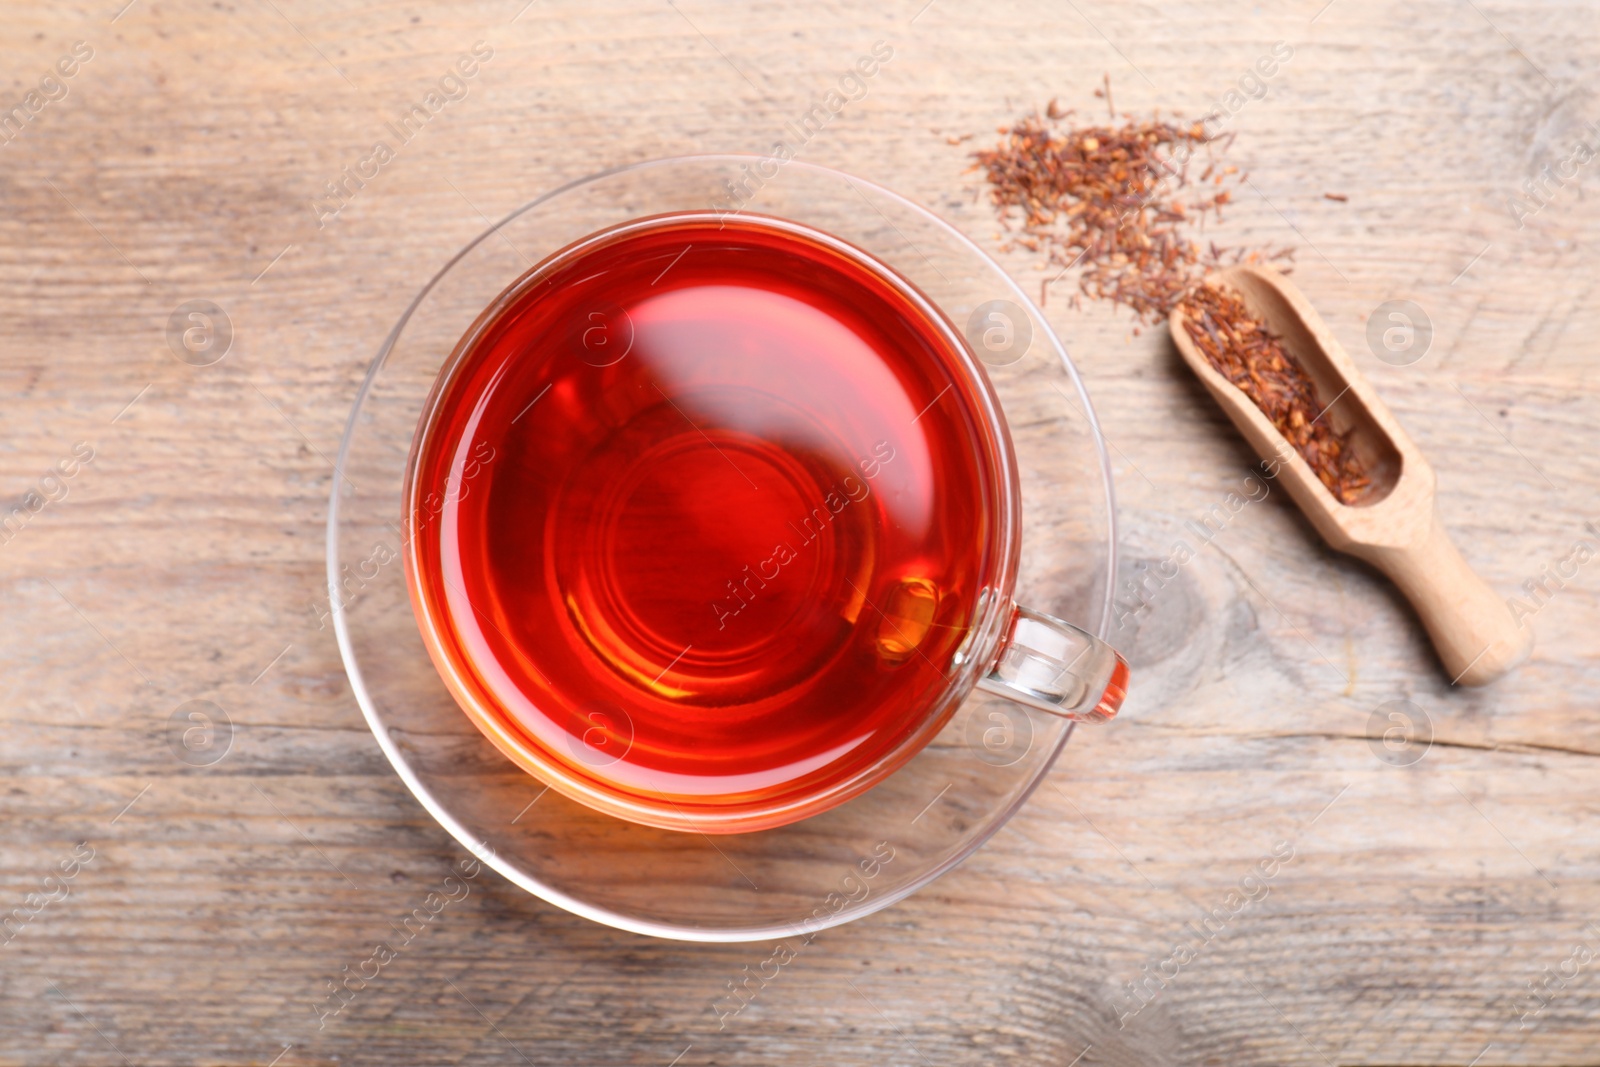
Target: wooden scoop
(1394, 525)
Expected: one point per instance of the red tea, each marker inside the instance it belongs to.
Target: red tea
(702, 514)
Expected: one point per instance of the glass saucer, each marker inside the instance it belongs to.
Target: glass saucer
(796, 879)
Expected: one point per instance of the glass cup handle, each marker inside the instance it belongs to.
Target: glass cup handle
(1052, 665)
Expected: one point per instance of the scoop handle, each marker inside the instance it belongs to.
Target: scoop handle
(1472, 627)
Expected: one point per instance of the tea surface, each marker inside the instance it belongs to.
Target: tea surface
(705, 514)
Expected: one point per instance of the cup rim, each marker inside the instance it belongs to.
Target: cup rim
(975, 655)
(441, 812)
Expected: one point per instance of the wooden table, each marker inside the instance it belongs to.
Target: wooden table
(186, 162)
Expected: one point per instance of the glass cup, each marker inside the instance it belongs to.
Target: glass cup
(584, 748)
(864, 854)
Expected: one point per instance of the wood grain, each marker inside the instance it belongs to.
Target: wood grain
(184, 561)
